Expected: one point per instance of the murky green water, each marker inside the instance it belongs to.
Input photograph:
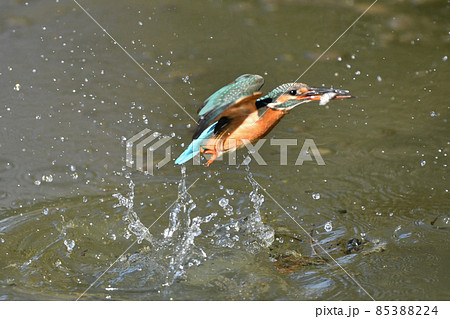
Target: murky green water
(70, 97)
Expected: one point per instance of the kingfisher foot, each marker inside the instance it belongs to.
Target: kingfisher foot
(214, 156)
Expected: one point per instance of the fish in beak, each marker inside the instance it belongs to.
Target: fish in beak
(324, 95)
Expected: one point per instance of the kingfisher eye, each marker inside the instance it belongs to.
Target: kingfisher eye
(293, 92)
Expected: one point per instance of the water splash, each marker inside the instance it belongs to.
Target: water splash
(135, 226)
(175, 251)
(264, 233)
(250, 230)
(179, 217)
(177, 244)
(224, 203)
(182, 231)
(185, 253)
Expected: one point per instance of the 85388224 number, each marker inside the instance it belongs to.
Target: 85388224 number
(406, 310)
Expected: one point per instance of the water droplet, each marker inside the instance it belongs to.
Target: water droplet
(223, 202)
(17, 87)
(423, 163)
(247, 160)
(45, 211)
(328, 226)
(69, 244)
(47, 178)
(316, 195)
(230, 191)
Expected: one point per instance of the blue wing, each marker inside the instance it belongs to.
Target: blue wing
(224, 98)
(194, 148)
(215, 105)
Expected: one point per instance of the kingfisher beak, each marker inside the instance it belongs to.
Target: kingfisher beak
(324, 95)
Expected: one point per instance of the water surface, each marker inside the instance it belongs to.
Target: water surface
(71, 97)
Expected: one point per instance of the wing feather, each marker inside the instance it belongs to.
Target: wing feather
(222, 101)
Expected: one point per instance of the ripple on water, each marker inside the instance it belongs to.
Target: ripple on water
(367, 201)
(328, 282)
(395, 276)
(54, 249)
(364, 187)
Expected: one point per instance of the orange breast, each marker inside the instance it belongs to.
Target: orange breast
(252, 129)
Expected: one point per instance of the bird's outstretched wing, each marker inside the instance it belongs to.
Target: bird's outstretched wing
(225, 98)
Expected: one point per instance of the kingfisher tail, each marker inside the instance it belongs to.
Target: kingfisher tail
(194, 148)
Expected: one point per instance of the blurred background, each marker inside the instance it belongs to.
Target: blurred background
(70, 98)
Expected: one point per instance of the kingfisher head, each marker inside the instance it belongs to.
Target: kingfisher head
(287, 96)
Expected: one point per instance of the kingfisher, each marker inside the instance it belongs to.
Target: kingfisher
(239, 114)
